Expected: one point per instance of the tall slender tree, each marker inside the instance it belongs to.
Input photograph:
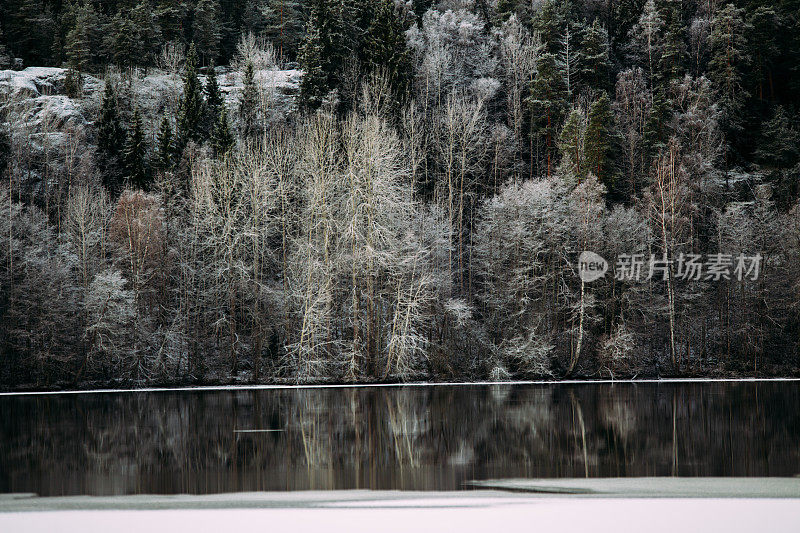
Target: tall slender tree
(248, 102)
(601, 141)
(206, 30)
(191, 105)
(134, 155)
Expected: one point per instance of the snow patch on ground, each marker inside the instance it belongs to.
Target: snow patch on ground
(619, 516)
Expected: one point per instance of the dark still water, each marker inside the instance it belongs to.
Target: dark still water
(432, 438)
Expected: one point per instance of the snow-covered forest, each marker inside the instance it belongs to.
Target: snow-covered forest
(362, 190)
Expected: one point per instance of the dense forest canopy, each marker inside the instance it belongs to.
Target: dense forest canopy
(356, 190)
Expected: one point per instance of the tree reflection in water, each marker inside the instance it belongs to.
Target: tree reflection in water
(420, 438)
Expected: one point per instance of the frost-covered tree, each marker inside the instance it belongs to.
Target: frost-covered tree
(86, 224)
(670, 206)
(111, 313)
(632, 109)
(572, 146)
(518, 59)
(462, 148)
(452, 51)
(516, 262)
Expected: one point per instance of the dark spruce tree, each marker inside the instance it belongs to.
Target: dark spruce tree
(222, 140)
(547, 105)
(386, 53)
(672, 62)
(601, 141)
(248, 102)
(283, 26)
(727, 68)
(594, 64)
(323, 52)
(165, 141)
(191, 105)
(206, 30)
(110, 140)
(134, 156)
(123, 42)
(214, 99)
(5, 57)
(314, 84)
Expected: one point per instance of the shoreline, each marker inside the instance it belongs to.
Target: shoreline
(221, 388)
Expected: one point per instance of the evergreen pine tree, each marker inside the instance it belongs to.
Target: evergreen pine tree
(34, 36)
(778, 142)
(213, 94)
(73, 83)
(601, 140)
(123, 41)
(206, 29)
(671, 64)
(110, 139)
(82, 40)
(385, 51)
(172, 16)
(654, 138)
(283, 21)
(5, 147)
(323, 52)
(314, 84)
(248, 102)
(550, 22)
(148, 35)
(571, 144)
(762, 40)
(214, 99)
(593, 60)
(5, 58)
(134, 156)
(547, 104)
(728, 65)
(645, 44)
(222, 140)
(110, 130)
(165, 159)
(190, 107)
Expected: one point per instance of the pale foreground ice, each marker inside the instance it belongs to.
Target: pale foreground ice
(616, 505)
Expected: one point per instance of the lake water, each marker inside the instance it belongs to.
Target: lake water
(415, 438)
